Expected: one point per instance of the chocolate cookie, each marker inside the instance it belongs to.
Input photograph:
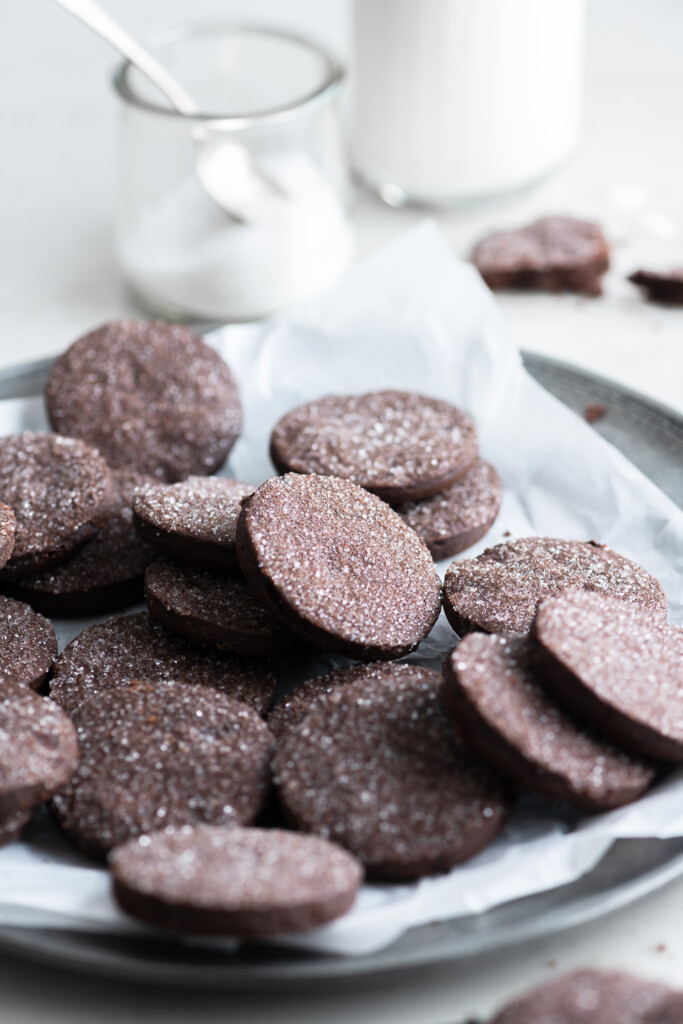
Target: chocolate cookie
(615, 668)
(38, 754)
(664, 286)
(129, 647)
(553, 254)
(194, 521)
(400, 445)
(375, 766)
(246, 882)
(56, 487)
(158, 754)
(288, 713)
(106, 574)
(28, 645)
(493, 695)
(150, 396)
(337, 566)
(498, 591)
(8, 525)
(457, 518)
(206, 608)
(590, 997)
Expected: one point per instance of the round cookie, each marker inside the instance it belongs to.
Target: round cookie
(590, 997)
(194, 521)
(289, 712)
(245, 882)
(106, 574)
(158, 754)
(614, 667)
(457, 518)
(8, 525)
(38, 753)
(28, 645)
(498, 591)
(375, 766)
(205, 608)
(400, 445)
(151, 396)
(337, 566)
(56, 487)
(129, 647)
(492, 693)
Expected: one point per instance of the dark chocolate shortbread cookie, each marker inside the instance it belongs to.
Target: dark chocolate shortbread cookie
(553, 254)
(615, 668)
(151, 396)
(56, 487)
(246, 882)
(289, 712)
(28, 645)
(375, 766)
(337, 566)
(8, 525)
(497, 700)
(158, 754)
(400, 445)
(129, 647)
(664, 286)
(498, 591)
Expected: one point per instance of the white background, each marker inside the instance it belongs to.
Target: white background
(58, 278)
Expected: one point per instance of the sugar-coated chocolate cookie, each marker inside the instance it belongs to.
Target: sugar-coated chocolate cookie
(400, 445)
(151, 396)
(162, 753)
(289, 712)
(104, 575)
(38, 753)
(553, 254)
(337, 566)
(664, 286)
(494, 696)
(457, 518)
(244, 882)
(129, 647)
(194, 521)
(615, 668)
(376, 767)
(591, 997)
(56, 487)
(28, 645)
(8, 525)
(207, 608)
(498, 591)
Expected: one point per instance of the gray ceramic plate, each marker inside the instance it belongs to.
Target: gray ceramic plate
(652, 437)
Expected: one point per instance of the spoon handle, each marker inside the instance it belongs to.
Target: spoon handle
(95, 18)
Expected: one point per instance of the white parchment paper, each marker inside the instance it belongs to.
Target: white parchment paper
(414, 317)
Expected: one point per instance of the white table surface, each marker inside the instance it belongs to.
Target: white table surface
(58, 278)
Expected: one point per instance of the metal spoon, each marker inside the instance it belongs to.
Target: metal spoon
(224, 168)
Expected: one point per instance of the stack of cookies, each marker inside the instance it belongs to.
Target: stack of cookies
(383, 768)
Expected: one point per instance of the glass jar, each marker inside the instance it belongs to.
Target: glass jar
(271, 117)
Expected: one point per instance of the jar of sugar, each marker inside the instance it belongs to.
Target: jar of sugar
(457, 100)
(269, 138)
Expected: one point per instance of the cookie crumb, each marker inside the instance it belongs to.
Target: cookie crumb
(594, 411)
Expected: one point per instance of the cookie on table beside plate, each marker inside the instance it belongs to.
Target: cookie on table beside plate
(665, 286)
(56, 488)
(104, 575)
(150, 396)
(375, 766)
(28, 645)
(207, 608)
(109, 654)
(615, 667)
(193, 521)
(162, 753)
(457, 518)
(400, 445)
(245, 882)
(499, 590)
(337, 566)
(498, 702)
(553, 254)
